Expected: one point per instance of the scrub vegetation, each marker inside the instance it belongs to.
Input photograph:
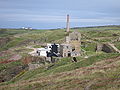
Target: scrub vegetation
(99, 71)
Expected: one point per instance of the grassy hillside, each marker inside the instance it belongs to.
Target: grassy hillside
(96, 72)
(22, 37)
(25, 37)
(100, 71)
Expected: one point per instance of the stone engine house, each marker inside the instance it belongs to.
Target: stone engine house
(72, 45)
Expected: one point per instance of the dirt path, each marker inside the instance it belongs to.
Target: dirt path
(33, 53)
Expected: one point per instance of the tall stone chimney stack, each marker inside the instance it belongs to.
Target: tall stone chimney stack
(68, 24)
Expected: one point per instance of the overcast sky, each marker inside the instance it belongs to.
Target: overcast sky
(46, 14)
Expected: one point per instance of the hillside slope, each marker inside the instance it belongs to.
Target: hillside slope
(94, 73)
(99, 71)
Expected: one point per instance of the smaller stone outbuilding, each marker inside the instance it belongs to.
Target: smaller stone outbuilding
(107, 47)
(65, 50)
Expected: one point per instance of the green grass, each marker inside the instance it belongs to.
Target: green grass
(96, 34)
(57, 36)
(99, 79)
(12, 43)
(117, 44)
(11, 32)
(89, 47)
(8, 65)
(18, 36)
(64, 65)
(35, 35)
(37, 46)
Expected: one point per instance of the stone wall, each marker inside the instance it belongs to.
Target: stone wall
(107, 47)
(99, 47)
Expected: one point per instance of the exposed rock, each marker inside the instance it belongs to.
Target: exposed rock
(8, 74)
(33, 66)
(33, 59)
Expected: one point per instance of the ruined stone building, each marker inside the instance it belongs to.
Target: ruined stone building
(74, 41)
(72, 45)
(107, 47)
(65, 50)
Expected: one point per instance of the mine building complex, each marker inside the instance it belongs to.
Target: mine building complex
(70, 48)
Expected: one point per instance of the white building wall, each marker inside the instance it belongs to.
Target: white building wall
(43, 53)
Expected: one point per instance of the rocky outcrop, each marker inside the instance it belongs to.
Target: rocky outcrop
(33, 66)
(9, 73)
(36, 62)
